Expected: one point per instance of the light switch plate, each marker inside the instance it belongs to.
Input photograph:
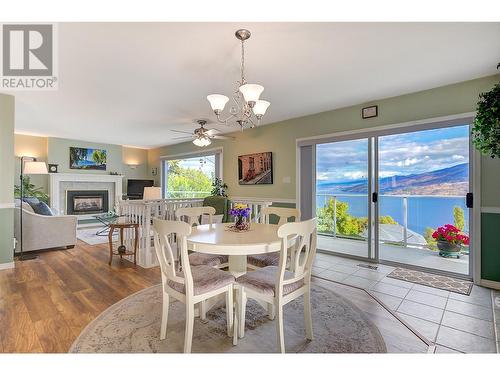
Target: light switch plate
(287, 180)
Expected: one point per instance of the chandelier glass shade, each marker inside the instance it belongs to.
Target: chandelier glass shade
(246, 108)
(260, 108)
(218, 102)
(251, 92)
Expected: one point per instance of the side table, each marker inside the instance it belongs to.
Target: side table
(122, 250)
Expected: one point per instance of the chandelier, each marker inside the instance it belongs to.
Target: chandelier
(247, 108)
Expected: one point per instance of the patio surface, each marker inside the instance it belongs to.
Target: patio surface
(400, 254)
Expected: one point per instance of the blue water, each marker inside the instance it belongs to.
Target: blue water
(423, 212)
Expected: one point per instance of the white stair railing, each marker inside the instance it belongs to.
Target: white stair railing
(256, 207)
(143, 212)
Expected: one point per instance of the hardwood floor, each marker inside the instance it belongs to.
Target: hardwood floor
(46, 302)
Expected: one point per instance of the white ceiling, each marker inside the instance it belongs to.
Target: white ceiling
(129, 83)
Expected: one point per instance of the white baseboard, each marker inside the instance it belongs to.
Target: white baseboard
(6, 266)
(490, 284)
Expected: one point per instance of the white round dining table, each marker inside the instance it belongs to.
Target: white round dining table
(219, 239)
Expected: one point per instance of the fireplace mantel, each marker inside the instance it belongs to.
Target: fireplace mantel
(56, 181)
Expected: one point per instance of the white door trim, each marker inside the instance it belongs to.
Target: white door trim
(388, 127)
(476, 215)
(186, 155)
(490, 210)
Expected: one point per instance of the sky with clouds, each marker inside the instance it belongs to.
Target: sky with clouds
(400, 154)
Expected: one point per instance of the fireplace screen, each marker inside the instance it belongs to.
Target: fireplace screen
(87, 202)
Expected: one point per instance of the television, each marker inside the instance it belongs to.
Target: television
(135, 188)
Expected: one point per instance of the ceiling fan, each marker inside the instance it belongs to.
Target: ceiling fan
(202, 136)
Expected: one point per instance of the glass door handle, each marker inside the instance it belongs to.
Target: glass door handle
(374, 197)
(469, 200)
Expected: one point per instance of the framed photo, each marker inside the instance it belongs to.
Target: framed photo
(369, 112)
(255, 169)
(87, 158)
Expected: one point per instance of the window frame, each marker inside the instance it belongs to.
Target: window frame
(217, 152)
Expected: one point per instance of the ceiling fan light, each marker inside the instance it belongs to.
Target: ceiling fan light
(202, 141)
(218, 102)
(251, 92)
(260, 107)
(198, 142)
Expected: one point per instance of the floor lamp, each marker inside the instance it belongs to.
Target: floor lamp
(29, 166)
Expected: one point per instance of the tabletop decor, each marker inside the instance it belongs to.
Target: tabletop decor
(240, 212)
(450, 240)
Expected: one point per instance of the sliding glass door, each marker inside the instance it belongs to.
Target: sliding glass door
(423, 180)
(342, 196)
(382, 195)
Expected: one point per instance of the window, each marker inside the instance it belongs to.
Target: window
(190, 177)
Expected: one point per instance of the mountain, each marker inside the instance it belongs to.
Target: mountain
(448, 181)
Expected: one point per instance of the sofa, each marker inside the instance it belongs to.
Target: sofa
(43, 232)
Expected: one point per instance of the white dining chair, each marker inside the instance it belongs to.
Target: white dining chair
(193, 284)
(197, 216)
(277, 285)
(272, 259)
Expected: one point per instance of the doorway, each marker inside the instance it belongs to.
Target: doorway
(381, 196)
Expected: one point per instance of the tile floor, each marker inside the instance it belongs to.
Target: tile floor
(456, 323)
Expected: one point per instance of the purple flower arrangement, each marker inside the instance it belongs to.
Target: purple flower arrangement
(240, 211)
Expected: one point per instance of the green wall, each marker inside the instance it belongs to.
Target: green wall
(280, 137)
(490, 246)
(56, 151)
(7, 178)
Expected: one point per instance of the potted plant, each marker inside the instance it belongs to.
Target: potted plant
(31, 191)
(486, 128)
(219, 188)
(449, 240)
(218, 198)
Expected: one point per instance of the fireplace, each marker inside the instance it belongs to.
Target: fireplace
(86, 202)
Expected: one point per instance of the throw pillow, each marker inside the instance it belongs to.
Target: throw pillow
(41, 208)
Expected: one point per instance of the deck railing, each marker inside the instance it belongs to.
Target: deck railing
(404, 207)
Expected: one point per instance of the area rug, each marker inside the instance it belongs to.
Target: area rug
(132, 325)
(436, 281)
(89, 236)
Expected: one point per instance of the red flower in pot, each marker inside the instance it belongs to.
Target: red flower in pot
(450, 240)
